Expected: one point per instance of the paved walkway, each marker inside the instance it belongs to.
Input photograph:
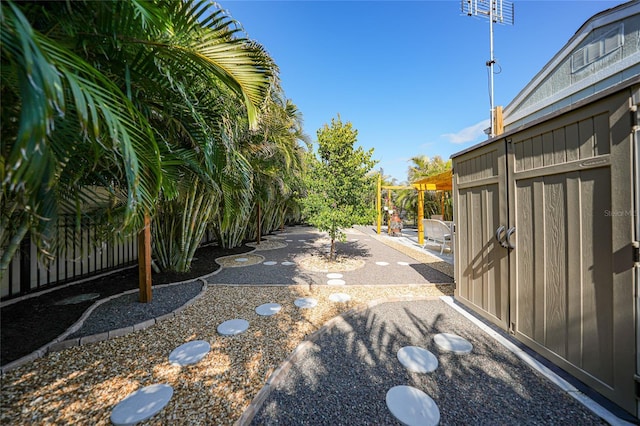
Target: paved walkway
(409, 238)
(343, 374)
(382, 265)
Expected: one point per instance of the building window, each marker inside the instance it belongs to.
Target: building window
(598, 48)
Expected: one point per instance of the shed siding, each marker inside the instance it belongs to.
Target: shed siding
(563, 282)
(564, 267)
(480, 195)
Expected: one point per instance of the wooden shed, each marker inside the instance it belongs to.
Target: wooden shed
(546, 224)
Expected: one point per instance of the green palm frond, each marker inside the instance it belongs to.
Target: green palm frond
(64, 106)
(127, 100)
(205, 42)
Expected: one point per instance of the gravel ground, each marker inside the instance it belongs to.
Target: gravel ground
(342, 379)
(81, 385)
(348, 371)
(126, 310)
(33, 322)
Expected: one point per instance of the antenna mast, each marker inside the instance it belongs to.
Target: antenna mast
(498, 12)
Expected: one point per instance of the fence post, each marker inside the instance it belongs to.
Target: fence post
(25, 264)
(144, 260)
(259, 236)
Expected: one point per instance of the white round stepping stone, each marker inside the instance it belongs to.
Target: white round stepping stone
(336, 282)
(412, 407)
(417, 359)
(403, 263)
(339, 297)
(233, 326)
(334, 275)
(141, 404)
(241, 259)
(382, 263)
(287, 263)
(270, 263)
(189, 353)
(268, 309)
(306, 302)
(452, 343)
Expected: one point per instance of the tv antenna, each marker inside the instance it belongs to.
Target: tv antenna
(498, 12)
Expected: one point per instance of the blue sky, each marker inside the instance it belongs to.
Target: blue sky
(409, 75)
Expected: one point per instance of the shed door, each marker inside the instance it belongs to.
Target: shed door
(481, 267)
(571, 279)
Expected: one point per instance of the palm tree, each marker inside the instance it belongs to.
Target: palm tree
(277, 159)
(407, 203)
(66, 127)
(230, 221)
(274, 158)
(422, 166)
(100, 102)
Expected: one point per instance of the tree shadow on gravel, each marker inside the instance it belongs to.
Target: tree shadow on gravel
(431, 274)
(261, 275)
(321, 246)
(352, 248)
(343, 378)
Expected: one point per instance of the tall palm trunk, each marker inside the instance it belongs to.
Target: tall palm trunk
(181, 226)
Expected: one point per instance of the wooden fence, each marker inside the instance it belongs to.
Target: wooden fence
(77, 259)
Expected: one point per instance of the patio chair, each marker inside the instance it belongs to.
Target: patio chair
(438, 232)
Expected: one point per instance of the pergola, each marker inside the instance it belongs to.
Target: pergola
(439, 182)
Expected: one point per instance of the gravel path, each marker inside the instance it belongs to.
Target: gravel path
(380, 265)
(81, 385)
(124, 311)
(343, 378)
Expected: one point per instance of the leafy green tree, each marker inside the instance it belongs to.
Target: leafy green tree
(338, 182)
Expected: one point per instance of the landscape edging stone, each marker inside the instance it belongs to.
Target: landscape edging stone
(59, 343)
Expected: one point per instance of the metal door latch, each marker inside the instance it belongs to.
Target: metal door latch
(504, 239)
